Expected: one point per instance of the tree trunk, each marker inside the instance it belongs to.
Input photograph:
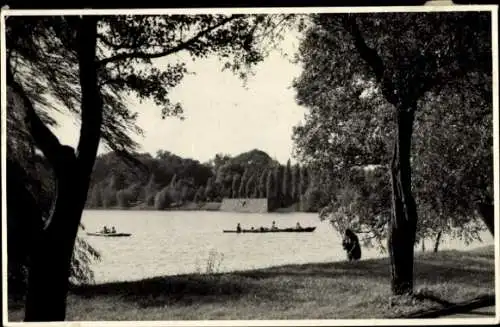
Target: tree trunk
(50, 262)
(403, 223)
(438, 240)
(423, 245)
(51, 255)
(487, 214)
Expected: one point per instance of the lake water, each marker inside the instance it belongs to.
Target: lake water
(179, 242)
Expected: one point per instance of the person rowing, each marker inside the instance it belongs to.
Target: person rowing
(238, 228)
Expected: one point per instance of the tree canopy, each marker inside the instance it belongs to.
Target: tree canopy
(42, 52)
(358, 70)
(88, 65)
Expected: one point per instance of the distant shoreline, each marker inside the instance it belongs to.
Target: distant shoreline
(200, 206)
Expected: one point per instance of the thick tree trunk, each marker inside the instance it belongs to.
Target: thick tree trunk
(52, 251)
(438, 240)
(403, 223)
(49, 268)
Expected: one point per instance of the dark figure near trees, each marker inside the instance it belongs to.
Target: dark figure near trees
(350, 243)
(238, 228)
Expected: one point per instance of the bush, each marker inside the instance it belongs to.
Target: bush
(313, 200)
(213, 264)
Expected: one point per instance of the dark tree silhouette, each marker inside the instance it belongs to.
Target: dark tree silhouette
(85, 71)
(405, 55)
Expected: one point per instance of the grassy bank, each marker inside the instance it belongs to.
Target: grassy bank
(339, 290)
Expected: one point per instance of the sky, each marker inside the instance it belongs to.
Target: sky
(222, 115)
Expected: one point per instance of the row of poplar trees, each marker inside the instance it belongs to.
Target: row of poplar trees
(285, 184)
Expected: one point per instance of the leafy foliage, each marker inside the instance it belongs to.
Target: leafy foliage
(359, 68)
(454, 169)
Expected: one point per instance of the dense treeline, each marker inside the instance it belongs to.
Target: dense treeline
(167, 180)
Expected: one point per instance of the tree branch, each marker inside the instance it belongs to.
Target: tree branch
(123, 45)
(110, 44)
(182, 46)
(91, 102)
(487, 214)
(371, 57)
(44, 138)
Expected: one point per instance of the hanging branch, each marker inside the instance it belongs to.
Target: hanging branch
(181, 46)
(372, 58)
(47, 142)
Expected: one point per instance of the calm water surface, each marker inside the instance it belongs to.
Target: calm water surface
(177, 242)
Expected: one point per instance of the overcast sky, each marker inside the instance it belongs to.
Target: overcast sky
(222, 115)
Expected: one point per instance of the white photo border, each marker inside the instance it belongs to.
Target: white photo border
(274, 10)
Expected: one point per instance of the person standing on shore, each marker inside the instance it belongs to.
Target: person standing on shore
(350, 243)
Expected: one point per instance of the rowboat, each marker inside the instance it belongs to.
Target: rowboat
(278, 230)
(109, 234)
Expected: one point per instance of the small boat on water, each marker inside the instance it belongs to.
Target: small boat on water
(277, 230)
(109, 234)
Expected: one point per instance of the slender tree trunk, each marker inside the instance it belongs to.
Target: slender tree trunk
(49, 268)
(438, 240)
(423, 245)
(403, 223)
(487, 214)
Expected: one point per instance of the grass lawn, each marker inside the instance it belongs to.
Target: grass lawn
(339, 290)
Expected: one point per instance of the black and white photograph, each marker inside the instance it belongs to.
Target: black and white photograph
(250, 166)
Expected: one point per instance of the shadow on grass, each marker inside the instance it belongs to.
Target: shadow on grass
(377, 268)
(161, 291)
(426, 295)
(429, 268)
(472, 306)
(221, 288)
